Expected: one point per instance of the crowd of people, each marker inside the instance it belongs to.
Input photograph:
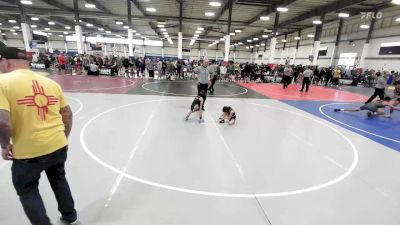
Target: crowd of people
(233, 71)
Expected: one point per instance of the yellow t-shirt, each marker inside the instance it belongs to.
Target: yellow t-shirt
(34, 103)
(336, 74)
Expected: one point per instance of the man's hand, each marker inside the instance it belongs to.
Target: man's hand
(6, 152)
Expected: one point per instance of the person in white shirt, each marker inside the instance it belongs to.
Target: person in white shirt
(307, 74)
(222, 70)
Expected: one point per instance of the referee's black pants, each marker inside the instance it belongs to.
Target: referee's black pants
(378, 92)
(203, 87)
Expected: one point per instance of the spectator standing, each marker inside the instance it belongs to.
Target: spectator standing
(307, 75)
(35, 115)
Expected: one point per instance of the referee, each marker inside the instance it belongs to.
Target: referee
(203, 76)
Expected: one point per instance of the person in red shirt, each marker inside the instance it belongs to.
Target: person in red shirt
(61, 63)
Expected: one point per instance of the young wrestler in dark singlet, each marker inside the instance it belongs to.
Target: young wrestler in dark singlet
(197, 105)
(374, 108)
(228, 114)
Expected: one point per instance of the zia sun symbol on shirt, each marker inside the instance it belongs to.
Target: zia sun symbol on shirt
(39, 99)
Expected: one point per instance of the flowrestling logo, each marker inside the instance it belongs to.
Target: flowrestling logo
(371, 15)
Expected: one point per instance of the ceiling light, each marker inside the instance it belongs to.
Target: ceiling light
(200, 28)
(89, 25)
(198, 31)
(12, 30)
(165, 33)
(232, 34)
(251, 46)
(310, 35)
(209, 14)
(264, 18)
(284, 40)
(195, 38)
(119, 22)
(222, 39)
(238, 31)
(90, 5)
(231, 46)
(16, 27)
(296, 38)
(151, 9)
(66, 33)
(138, 34)
(163, 29)
(15, 34)
(161, 25)
(262, 44)
(118, 35)
(255, 39)
(317, 22)
(277, 33)
(240, 43)
(134, 31)
(126, 27)
(236, 44)
(397, 2)
(215, 4)
(34, 18)
(108, 32)
(247, 47)
(257, 45)
(196, 35)
(33, 26)
(397, 19)
(68, 28)
(12, 21)
(282, 9)
(46, 28)
(26, 2)
(3, 34)
(100, 29)
(60, 35)
(51, 23)
(249, 41)
(364, 26)
(343, 15)
(265, 36)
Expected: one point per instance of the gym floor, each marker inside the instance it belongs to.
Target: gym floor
(288, 160)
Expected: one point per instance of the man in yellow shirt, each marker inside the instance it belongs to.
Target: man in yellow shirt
(35, 121)
(336, 76)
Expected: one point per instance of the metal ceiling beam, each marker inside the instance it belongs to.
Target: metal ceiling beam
(12, 2)
(269, 10)
(66, 8)
(90, 14)
(57, 5)
(333, 7)
(143, 11)
(219, 15)
(102, 8)
(225, 8)
(353, 12)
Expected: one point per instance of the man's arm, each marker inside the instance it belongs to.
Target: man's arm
(67, 117)
(5, 134)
